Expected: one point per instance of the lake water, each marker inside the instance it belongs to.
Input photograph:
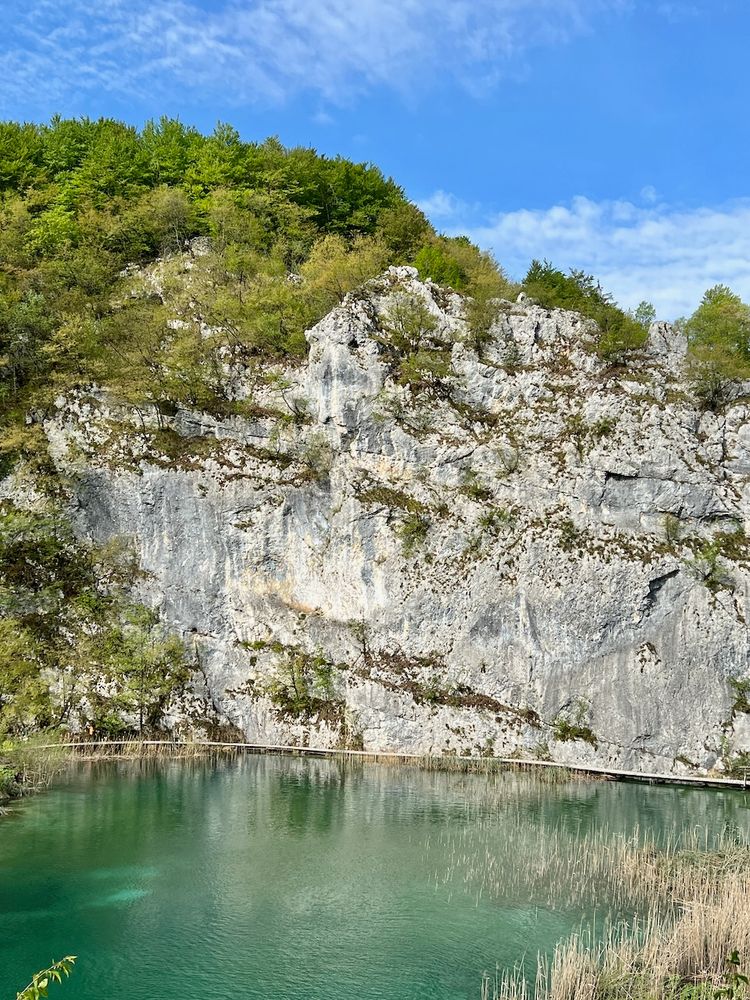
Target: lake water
(280, 877)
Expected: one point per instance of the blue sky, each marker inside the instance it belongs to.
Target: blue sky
(611, 135)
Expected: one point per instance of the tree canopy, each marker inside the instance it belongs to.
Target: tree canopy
(719, 337)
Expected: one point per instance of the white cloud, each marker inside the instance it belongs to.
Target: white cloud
(443, 207)
(666, 254)
(269, 50)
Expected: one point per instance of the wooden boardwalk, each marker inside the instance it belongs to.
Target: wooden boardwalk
(612, 774)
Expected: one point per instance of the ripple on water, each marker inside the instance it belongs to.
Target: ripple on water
(303, 879)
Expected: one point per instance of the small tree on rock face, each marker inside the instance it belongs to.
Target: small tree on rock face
(144, 667)
(408, 323)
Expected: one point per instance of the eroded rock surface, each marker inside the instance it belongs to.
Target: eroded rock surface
(538, 552)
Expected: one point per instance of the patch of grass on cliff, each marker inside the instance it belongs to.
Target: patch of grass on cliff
(568, 727)
(741, 690)
(379, 494)
(413, 532)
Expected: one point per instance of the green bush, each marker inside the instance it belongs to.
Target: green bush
(10, 786)
(304, 686)
(741, 690)
(565, 730)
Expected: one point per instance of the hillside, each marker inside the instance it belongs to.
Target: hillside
(285, 463)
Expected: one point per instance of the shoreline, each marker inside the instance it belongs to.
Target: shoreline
(437, 763)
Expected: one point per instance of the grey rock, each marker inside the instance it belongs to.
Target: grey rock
(559, 599)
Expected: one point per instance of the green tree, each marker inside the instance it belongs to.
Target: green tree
(336, 266)
(435, 263)
(142, 665)
(644, 314)
(403, 228)
(718, 335)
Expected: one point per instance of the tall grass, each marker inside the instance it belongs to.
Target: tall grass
(698, 914)
(29, 767)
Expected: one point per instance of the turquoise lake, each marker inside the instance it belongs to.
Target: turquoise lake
(283, 877)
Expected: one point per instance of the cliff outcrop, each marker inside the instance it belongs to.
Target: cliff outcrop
(424, 540)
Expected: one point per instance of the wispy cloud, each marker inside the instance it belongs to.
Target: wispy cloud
(266, 51)
(649, 250)
(445, 208)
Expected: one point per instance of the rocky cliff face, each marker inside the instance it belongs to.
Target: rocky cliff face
(525, 549)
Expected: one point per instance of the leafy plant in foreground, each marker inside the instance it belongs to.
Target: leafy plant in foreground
(41, 981)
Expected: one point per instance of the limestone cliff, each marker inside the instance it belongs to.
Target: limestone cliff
(528, 549)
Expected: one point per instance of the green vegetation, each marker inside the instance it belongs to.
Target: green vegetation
(414, 348)
(644, 314)
(719, 337)
(585, 435)
(304, 683)
(708, 564)
(672, 529)
(287, 233)
(413, 532)
(11, 787)
(566, 728)
(741, 689)
(619, 334)
(473, 487)
(571, 537)
(73, 646)
(737, 765)
(386, 496)
(41, 981)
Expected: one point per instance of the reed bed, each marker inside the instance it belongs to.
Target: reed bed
(678, 948)
(137, 749)
(591, 870)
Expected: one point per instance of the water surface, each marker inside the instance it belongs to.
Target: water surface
(276, 877)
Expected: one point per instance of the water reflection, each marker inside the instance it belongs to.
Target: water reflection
(308, 878)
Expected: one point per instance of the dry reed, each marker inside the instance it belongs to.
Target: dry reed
(698, 915)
